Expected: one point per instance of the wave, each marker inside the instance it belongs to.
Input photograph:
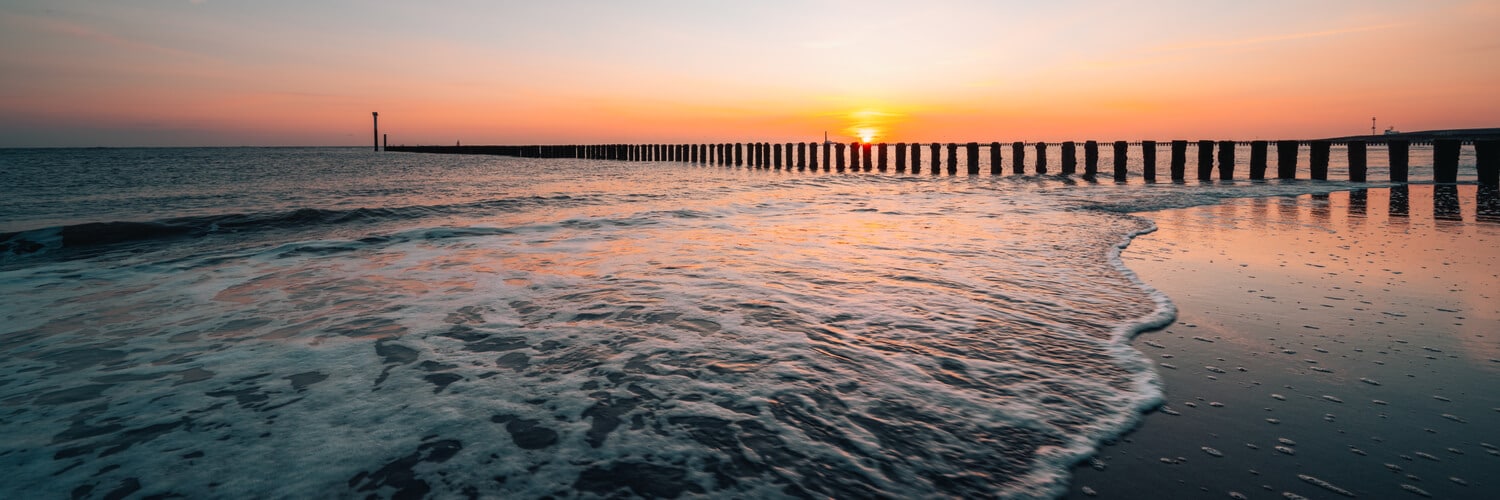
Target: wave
(102, 234)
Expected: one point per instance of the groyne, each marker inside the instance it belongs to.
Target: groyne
(1214, 159)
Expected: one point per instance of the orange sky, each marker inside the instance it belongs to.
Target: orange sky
(287, 73)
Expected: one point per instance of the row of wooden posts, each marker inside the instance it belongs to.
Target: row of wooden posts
(875, 156)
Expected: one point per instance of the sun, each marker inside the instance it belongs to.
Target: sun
(866, 135)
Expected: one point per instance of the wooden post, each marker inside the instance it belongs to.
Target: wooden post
(1070, 157)
(840, 155)
(1399, 152)
(788, 156)
(1090, 159)
(1122, 150)
(854, 156)
(881, 164)
(1445, 161)
(916, 158)
(900, 157)
(778, 156)
(937, 156)
(1318, 160)
(1226, 160)
(1041, 158)
(1205, 160)
(952, 159)
(1257, 160)
(1486, 163)
(1286, 159)
(739, 154)
(1018, 158)
(375, 121)
(1357, 164)
(801, 156)
(865, 154)
(812, 156)
(1148, 160)
(995, 159)
(1179, 161)
(827, 156)
(972, 158)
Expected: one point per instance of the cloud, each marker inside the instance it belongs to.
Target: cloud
(1215, 44)
(88, 33)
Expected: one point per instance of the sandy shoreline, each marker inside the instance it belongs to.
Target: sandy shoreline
(1326, 346)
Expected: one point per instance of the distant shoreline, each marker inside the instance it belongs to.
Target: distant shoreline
(1463, 134)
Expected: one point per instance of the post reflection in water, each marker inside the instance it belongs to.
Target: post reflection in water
(1357, 201)
(1445, 203)
(1400, 206)
(1488, 204)
(1320, 208)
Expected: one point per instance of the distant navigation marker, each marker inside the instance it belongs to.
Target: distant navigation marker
(376, 117)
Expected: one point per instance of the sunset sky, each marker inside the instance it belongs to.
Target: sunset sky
(272, 72)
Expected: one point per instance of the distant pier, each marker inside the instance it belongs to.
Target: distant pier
(1214, 159)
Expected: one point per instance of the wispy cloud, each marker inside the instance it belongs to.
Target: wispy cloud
(1216, 44)
(88, 33)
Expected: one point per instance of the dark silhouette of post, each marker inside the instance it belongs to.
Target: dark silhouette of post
(1445, 161)
(1400, 154)
(1258, 160)
(827, 155)
(1205, 160)
(1226, 160)
(995, 159)
(802, 156)
(865, 152)
(900, 157)
(952, 159)
(812, 156)
(1486, 163)
(1357, 164)
(840, 155)
(1318, 160)
(1286, 159)
(1070, 157)
(778, 156)
(1122, 150)
(881, 164)
(1090, 159)
(385, 142)
(789, 156)
(1018, 158)
(936, 150)
(375, 118)
(1148, 160)
(739, 154)
(854, 156)
(916, 157)
(972, 150)
(1179, 161)
(1041, 158)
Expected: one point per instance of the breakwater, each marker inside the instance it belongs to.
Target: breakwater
(1213, 159)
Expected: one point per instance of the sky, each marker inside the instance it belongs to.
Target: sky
(305, 72)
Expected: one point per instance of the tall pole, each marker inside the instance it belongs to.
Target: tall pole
(376, 117)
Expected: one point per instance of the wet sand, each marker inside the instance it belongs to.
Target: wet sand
(1326, 347)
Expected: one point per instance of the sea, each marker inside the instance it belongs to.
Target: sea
(338, 322)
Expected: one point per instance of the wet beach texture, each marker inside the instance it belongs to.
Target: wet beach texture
(1326, 346)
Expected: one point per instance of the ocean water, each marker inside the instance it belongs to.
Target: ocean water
(337, 322)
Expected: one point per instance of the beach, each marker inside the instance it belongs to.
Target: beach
(1325, 346)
